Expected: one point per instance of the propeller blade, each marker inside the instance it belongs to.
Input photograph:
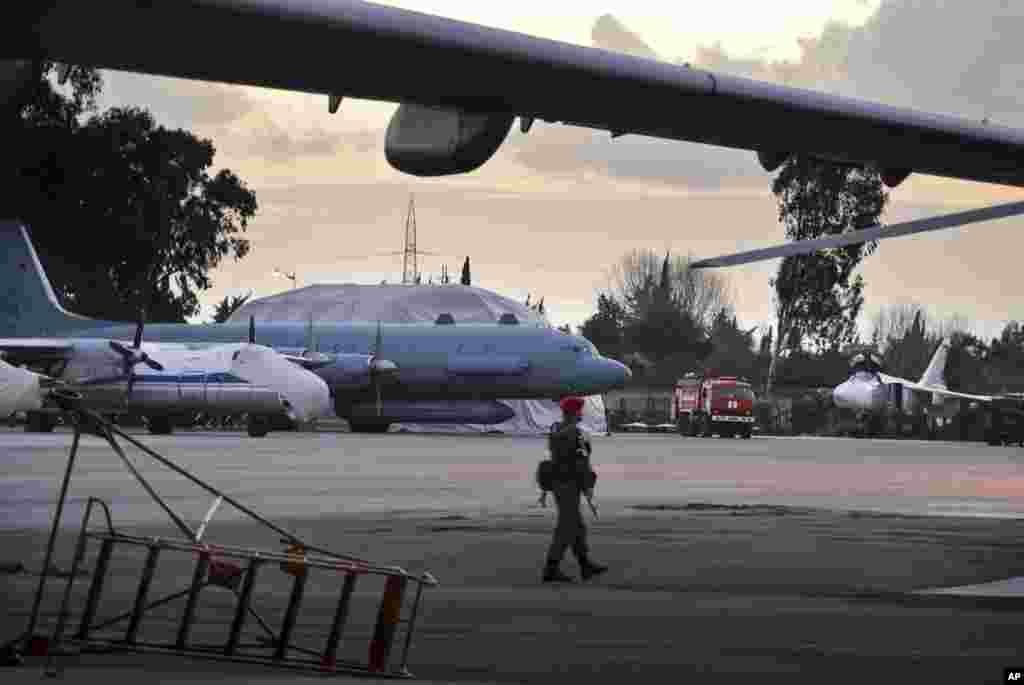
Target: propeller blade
(153, 364)
(138, 329)
(379, 342)
(252, 329)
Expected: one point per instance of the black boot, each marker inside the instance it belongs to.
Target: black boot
(553, 574)
(589, 569)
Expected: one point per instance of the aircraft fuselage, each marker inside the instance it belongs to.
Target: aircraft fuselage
(459, 361)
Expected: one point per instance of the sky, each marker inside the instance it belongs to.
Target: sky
(554, 209)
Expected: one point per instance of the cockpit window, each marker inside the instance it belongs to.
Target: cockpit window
(732, 393)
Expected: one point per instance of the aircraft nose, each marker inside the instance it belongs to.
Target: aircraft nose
(610, 375)
(627, 374)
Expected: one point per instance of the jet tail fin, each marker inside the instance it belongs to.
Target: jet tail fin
(935, 374)
(28, 305)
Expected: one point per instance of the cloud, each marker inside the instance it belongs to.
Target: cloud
(956, 58)
(609, 33)
(565, 150)
(178, 103)
(961, 59)
(239, 121)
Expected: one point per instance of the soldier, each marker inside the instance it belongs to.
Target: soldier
(570, 451)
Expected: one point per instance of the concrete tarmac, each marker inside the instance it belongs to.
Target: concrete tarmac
(729, 559)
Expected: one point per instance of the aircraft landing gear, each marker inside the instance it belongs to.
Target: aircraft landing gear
(160, 425)
(39, 422)
(368, 427)
(258, 426)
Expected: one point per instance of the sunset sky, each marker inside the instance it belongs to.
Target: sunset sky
(555, 208)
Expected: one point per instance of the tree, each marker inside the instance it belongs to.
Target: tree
(967, 362)
(905, 338)
(465, 272)
(605, 328)
(817, 297)
(662, 327)
(42, 123)
(638, 273)
(228, 306)
(733, 347)
(765, 348)
(164, 220)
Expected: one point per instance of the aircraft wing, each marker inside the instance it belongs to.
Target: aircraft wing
(480, 78)
(931, 388)
(801, 247)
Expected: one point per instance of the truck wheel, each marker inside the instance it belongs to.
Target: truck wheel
(683, 425)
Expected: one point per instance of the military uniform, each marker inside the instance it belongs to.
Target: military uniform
(571, 476)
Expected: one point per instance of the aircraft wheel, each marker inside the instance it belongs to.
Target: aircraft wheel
(707, 430)
(747, 434)
(38, 422)
(160, 425)
(257, 427)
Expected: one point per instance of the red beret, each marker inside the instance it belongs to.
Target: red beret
(571, 405)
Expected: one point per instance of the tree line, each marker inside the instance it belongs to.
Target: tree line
(664, 319)
(126, 215)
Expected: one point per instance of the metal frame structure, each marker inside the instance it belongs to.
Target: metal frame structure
(219, 566)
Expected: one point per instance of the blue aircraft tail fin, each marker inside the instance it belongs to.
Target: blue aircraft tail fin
(28, 305)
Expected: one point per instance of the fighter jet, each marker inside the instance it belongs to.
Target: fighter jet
(377, 374)
(868, 390)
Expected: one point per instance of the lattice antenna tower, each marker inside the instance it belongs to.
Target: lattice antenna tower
(410, 269)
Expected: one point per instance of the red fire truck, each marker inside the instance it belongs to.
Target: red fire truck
(708, 404)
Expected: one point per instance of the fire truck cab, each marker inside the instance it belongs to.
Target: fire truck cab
(707, 404)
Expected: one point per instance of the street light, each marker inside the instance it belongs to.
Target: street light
(291, 276)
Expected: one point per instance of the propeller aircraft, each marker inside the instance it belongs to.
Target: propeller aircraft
(377, 374)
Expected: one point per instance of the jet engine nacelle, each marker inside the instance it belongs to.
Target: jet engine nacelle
(352, 370)
(437, 141)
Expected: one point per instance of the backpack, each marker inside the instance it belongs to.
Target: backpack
(570, 459)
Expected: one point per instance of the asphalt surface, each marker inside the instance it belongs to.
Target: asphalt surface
(808, 560)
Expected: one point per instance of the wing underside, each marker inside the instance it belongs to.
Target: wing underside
(324, 47)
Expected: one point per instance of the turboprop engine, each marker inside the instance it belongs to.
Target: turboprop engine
(436, 141)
